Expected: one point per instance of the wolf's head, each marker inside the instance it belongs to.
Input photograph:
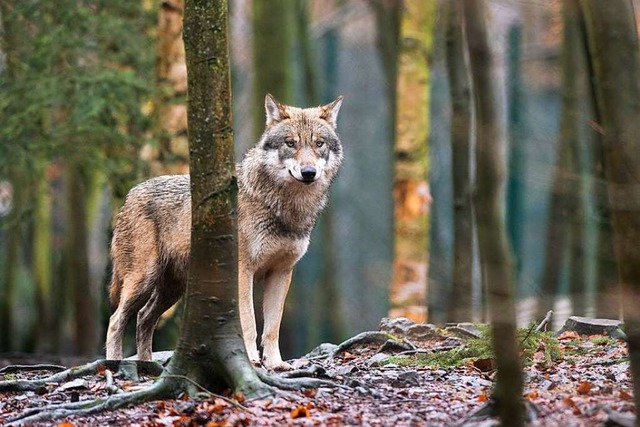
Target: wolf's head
(299, 145)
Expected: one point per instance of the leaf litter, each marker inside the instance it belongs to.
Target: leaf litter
(586, 382)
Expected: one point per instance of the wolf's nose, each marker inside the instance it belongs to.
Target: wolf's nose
(308, 173)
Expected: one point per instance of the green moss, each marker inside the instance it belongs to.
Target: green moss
(481, 348)
(604, 340)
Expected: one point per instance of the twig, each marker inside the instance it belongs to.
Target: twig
(111, 389)
(28, 368)
(544, 322)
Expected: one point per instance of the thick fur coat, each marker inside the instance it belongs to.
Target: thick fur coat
(283, 186)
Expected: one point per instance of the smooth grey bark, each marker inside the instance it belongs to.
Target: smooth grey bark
(211, 349)
(495, 256)
(615, 53)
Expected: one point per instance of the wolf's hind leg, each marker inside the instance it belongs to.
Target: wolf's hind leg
(247, 313)
(276, 286)
(131, 299)
(162, 298)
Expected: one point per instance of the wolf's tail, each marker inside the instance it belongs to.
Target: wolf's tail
(115, 288)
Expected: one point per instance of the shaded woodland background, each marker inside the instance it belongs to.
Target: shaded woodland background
(92, 101)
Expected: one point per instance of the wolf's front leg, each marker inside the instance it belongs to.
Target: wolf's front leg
(276, 286)
(247, 313)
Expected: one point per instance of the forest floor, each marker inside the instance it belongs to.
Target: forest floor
(421, 376)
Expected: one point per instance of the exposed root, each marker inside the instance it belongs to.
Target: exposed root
(168, 386)
(28, 368)
(211, 394)
(142, 367)
(312, 371)
(370, 337)
(295, 384)
(162, 389)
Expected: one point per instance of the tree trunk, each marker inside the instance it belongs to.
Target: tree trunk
(517, 149)
(211, 349)
(170, 112)
(42, 263)
(460, 307)
(11, 262)
(77, 267)
(495, 256)
(608, 303)
(272, 60)
(614, 49)
(573, 84)
(566, 212)
(410, 189)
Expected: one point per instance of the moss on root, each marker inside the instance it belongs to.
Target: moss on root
(531, 342)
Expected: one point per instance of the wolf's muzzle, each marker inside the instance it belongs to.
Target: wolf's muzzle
(308, 174)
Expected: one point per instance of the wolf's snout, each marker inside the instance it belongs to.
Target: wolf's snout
(308, 173)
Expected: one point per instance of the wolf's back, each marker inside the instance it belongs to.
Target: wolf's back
(152, 230)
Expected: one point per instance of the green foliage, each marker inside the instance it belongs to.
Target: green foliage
(77, 74)
(482, 348)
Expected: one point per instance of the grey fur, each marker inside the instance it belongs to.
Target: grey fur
(276, 214)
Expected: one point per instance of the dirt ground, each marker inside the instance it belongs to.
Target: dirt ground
(588, 384)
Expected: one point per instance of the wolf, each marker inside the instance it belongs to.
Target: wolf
(283, 184)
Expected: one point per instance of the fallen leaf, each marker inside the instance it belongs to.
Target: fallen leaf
(300, 412)
(584, 387)
(568, 335)
(65, 425)
(624, 395)
(533, 395)
(238, 397)
(483, 397)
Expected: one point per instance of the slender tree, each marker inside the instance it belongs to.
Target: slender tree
(495, 255)
(272, 54)
(608, 303)
(564, 240)
(615, 51)
(517, 154)
(460, 308)
(410, 189)
(170, 113)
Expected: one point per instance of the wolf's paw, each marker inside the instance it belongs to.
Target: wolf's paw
(277, 365)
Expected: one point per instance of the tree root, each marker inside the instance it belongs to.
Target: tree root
(369, 337)
(168, 386)
(163, 389)
(28, 368)
(295, 384)
(142, 367)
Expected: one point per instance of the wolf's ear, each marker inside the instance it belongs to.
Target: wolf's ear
(330, 111)
(276, 112)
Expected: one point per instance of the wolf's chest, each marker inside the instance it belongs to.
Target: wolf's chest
(269, 252)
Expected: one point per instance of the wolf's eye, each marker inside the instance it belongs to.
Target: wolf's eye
(290, 143)
(319, 143)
